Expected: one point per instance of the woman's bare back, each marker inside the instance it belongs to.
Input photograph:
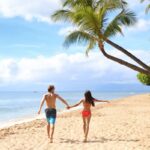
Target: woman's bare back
(86, 105)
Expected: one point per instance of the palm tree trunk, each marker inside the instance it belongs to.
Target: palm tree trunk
(128, 54)
(122, 62)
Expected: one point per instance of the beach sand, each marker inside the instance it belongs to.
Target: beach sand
(123, 124)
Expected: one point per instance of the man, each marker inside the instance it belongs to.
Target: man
(50, 111)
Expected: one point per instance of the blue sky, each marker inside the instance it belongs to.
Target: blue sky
(32, 55)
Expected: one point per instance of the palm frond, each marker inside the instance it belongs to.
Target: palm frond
(90, 46)
(112, 4)
(124, 18)
(63, 14)
(113, 27)
(112, 30)
(72, 3)
(102, 18)
(128, 18)
(77, 37)
(87, 20)
(67, 3)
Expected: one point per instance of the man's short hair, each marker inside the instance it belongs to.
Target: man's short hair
(50, 88)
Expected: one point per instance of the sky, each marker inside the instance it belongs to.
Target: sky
(32, 55)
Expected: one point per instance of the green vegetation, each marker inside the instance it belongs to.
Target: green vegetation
(95, 23)
(143, 78)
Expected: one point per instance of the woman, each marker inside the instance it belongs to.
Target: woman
(87, 102)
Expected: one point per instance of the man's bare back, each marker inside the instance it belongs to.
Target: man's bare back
(50, 99)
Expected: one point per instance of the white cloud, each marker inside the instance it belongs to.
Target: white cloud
(134, 3)
(29, 10)
(66, 30)
(137, 6)
(41, 10)
(142, 25)
(67, 68)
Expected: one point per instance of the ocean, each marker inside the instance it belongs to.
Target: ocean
(19, 105)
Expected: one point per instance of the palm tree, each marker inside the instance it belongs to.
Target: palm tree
(96, 24)
(147, 8)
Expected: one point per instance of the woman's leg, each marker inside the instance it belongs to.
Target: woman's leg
(87, 127)
(84, 125)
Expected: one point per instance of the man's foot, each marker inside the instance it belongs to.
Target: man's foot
(51, 140)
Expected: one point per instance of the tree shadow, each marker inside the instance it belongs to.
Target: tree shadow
(101, 140)
(69, 141)
(104, 140)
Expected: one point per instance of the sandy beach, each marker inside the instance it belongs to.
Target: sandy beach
(123, 124)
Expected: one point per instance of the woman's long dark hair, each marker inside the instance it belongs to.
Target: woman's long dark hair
(89, 98)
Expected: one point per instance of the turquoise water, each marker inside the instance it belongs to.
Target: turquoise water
(16, 105)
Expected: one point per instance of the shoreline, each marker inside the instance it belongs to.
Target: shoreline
(31, 117)
(34, 117)
(122, 124)
(28, 119)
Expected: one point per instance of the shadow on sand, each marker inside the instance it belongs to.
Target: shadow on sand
(69, 141)
(102, 140)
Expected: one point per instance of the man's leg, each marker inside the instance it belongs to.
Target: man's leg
(52, 132)
(48, 130)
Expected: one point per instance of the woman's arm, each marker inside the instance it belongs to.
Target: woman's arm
(41, 105)
(76, 104)
(62, 100)
(96, 100)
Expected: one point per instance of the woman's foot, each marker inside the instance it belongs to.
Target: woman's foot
(51, 140)
(85, 140)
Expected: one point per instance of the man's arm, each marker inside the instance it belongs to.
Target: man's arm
(96, 100)
(62, 100)
(42, 102)
(76, 104)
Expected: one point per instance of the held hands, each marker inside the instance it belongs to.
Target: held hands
(39, 112)
(68, 107)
